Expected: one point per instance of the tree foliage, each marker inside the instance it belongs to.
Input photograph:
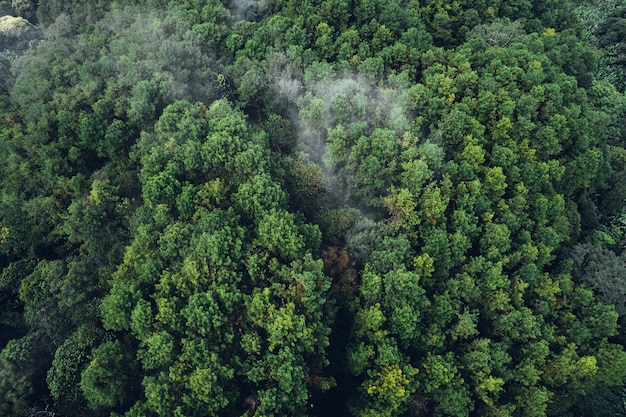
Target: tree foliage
(374, 208)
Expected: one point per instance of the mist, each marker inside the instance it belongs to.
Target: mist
(149, 56)
(331, 110)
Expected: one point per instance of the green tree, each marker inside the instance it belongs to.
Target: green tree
(105, 381)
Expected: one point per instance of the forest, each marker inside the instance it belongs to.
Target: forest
(366, 208)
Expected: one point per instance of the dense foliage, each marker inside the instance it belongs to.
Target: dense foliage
(314, 207)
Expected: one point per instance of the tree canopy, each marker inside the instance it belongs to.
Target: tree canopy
(313, 208)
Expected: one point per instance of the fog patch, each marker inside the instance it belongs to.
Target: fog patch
(146, 58)
(331, 110)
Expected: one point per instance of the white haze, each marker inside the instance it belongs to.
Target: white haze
(383, 105)
(358, 106)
